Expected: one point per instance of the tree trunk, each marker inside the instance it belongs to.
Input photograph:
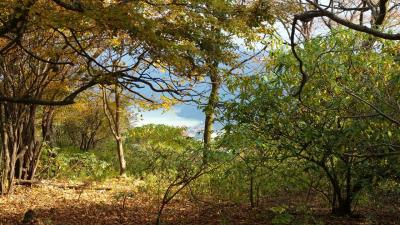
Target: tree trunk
(251, 190)
(210, 111)
(342, 200)
(47, 124)
(114, 122)
(20, 149)
(118, 138)
(121, 157)
(343, 208)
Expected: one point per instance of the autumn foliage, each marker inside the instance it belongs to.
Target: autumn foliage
(300, 101)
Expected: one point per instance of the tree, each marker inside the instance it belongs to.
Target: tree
(253, 155)
(79, 36)
(113, 115)
(167, 153)
(381, 20)
(378, 10)
(217, 74)
(23, 75)
(336, 133)
(87, 29)
(88, 129)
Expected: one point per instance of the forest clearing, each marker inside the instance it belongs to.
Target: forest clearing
(119, 202)
(200, 112)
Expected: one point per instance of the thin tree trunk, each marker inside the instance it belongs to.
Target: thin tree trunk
(210, 111)
(114, 122)
(251, 190)
(121, 157)
(118, 138)
(47, 124)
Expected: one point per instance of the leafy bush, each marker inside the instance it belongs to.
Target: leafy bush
(71, 163)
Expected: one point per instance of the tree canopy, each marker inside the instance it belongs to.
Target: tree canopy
(299, 101)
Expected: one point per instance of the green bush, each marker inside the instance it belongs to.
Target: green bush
(72, 163)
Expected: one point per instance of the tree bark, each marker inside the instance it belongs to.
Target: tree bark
(343, 208)
(47, 124)
(121, 157)
(20, 148)
(118, 138)
(210, 111)
(341, 204)
(115, 125)
(251, 190)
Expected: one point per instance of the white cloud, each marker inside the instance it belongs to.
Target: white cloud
(170, 118)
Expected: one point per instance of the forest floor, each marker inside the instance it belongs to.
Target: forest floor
(114, 203)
